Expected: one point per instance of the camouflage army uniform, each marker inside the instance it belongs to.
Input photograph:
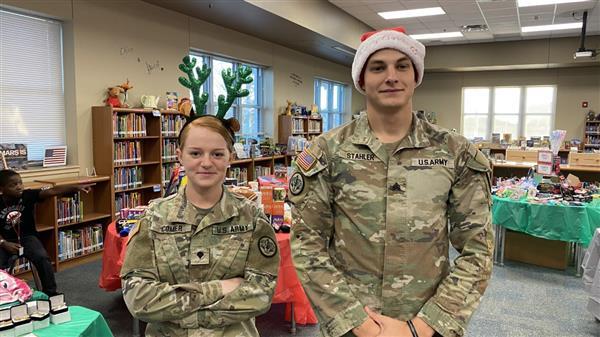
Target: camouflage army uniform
(372, 230)
(174, 263)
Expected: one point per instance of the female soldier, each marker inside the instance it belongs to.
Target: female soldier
(202, 262)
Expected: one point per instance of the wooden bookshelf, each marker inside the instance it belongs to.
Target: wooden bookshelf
(250, 164)
(113, 154)
(96, 207)
(591, 136)
(305, 126)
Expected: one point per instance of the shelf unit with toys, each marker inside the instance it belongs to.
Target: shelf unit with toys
(591, 136)
(83, 216)
(305, 126)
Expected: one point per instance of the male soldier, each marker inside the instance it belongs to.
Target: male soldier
(372, 200)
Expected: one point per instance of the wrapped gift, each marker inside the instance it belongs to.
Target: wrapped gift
(39, 312)
(21, 320)
(7, 328)
(59, 312)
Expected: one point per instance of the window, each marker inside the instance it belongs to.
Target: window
(248, 110)
(329, 98)
(32, 108)
(521, 111)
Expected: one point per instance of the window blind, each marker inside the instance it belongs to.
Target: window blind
(32, 108)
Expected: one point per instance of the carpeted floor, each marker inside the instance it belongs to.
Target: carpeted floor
(521, 301)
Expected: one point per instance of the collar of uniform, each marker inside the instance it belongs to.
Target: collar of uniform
(417, 136)
(362, 132)
(184, 212)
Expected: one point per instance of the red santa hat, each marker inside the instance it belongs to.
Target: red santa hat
(393, 38)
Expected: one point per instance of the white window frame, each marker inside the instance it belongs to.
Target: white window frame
(522, 105)
(237, 107)
(327, 114)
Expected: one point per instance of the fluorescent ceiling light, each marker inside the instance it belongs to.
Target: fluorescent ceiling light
(528, 3)
(412, 13)
(432, 36)
(545, 28)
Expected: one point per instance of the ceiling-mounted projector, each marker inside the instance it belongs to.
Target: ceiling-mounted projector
(581, 54)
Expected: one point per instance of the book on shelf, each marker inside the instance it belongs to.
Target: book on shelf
(239, 173)
(171, 124)
(128, 177)
(260, 171)
(129, 125)
(79, 242)
(127, 200)
(127, 152)
(167, 172)
(169, 149)
(70, 209)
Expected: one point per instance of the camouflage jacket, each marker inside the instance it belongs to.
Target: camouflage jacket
(174, 262)
(370, 229)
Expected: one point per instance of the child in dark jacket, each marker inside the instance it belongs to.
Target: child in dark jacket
(18, 234)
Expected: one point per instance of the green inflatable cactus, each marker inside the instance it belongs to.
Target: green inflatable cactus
(194, 83)
(233, 85)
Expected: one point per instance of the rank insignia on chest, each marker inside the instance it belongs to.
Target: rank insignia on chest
(430, 162)
(200, 257)
(306, 160)
(232, 229)
(267, 246)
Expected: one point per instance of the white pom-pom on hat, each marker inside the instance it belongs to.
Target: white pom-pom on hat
(392, 38)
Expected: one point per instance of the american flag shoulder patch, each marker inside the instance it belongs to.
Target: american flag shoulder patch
(306, 160)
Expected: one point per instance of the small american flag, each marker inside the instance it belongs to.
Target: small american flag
(55, 156)
(305, 159)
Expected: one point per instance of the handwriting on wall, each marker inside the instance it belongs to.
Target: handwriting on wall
(296, 79)
(149, 66)
(125, 50)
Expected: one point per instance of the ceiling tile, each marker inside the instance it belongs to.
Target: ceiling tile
(497, 4)
(386, 7)
(533, 9)
(448, 25)
(500, 12)
(412, 4)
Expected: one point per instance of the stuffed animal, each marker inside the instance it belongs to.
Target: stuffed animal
(13, 289)
(185, 106)
(113, 97)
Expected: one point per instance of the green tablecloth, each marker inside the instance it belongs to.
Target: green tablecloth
(553, 222)
(84, 323)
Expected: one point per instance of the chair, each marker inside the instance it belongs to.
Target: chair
(14, 261)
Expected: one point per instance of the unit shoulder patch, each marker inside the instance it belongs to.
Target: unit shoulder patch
(267, 246)
(296, 184)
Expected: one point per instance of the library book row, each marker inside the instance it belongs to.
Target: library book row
(71, 244)
(135, 125)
